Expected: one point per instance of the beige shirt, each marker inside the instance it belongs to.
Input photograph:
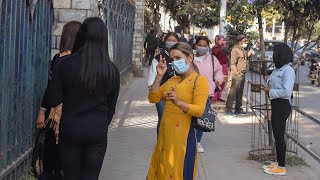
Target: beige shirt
(238, 62)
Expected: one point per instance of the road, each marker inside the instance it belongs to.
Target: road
(309, 102)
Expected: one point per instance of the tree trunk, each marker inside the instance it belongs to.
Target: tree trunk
(184, 22)
(186, 28)
(265, 73)
(294, 37)
(286, 32)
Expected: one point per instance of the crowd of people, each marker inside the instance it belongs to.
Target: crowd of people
(184, 80)
(171, 78)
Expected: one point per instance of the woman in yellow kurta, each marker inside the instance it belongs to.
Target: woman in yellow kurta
(174, 157)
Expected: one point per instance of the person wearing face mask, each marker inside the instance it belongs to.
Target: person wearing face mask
(185, 95)
(170, 39)
(279, 88)
(210, 67)
(238, 69)
(221, 55)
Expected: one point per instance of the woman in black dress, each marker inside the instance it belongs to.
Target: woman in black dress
(87, 83)
(45, 162)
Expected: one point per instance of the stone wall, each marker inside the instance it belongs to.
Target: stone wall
(70, 10)
(138, 37)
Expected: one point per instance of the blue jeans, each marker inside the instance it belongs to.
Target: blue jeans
(199, 133)
(160, 108)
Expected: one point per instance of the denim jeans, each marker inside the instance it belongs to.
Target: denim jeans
(160, 108)
(199, 133)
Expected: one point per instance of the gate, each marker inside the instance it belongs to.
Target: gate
(119, 17)
(25, 42)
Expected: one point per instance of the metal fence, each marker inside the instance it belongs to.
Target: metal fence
(25, 41)
(119, 17)
(262, 141)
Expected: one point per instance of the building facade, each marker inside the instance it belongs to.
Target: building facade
(70, 10)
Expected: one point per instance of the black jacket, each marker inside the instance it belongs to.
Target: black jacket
(64, 87)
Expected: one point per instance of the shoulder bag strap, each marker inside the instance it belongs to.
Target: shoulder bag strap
(212, 59)
(194, 85)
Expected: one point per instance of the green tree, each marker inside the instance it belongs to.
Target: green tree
(299, 16)
(240, 19)
(152, 15)
(201, 13)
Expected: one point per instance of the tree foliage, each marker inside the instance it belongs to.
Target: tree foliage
(240, 18)
(151, 15)
(299, 16)
(201, 13)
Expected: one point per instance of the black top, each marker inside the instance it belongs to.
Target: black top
(170, 72)
(56, 59)
(151, 42)
(64, 87)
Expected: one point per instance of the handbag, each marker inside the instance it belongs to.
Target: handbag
(206, 122)
(46, 162)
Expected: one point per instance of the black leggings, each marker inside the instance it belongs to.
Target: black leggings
(281, 109)
(82, 153)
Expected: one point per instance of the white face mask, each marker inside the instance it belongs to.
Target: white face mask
(244, 45)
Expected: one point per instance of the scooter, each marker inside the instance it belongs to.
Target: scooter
(314, 74)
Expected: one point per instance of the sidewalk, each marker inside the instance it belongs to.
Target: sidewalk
(132, 137)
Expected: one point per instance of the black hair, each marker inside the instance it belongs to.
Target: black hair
(96, 66)
(282, 55)
(68, 35)
(177, 29)
(171, 34)
(204, 38)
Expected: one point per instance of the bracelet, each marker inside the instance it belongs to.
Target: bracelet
(43, 109)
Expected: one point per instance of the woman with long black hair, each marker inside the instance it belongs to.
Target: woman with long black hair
(279, 88)
(87, 83)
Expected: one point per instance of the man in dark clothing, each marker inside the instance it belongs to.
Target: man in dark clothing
(238, 68)
(151, 43)
(178, 30)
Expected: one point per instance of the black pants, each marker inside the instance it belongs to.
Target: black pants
(281, 109)
(83, 149)
(150, 55)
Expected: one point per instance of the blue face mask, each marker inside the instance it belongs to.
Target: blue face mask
(202, 50)
(180, 66)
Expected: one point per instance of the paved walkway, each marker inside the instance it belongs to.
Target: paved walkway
(132, 137)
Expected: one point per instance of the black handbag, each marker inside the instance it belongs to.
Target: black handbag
(46, 163)
(206, 122)
(217, 88)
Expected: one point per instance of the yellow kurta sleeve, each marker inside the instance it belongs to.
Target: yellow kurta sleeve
(158, 96)
(200, 97)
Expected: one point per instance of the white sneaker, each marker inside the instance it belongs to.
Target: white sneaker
(200, 148)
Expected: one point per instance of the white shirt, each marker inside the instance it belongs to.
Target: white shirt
(152, 72)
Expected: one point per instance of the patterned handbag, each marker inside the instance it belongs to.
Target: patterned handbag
(206, 122)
